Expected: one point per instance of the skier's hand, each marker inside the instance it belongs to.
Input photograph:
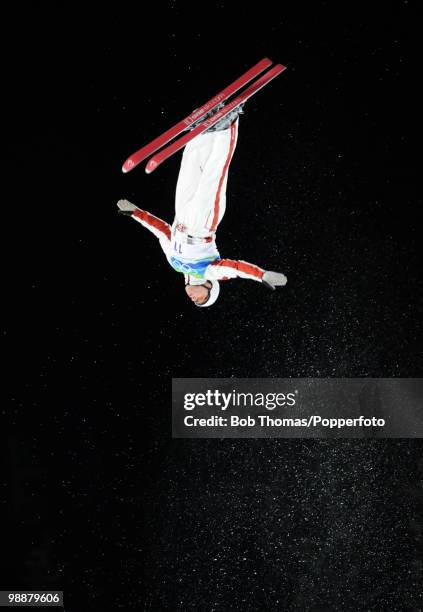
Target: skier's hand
(126, 207)
(274, 279)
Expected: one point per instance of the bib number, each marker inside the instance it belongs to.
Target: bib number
(177, 247)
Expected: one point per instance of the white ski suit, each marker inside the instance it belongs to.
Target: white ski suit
(189, 244)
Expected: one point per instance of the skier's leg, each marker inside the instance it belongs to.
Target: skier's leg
(218, 177)
(190, 174)
(201, 189)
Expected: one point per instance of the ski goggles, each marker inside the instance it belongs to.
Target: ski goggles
(209, 288)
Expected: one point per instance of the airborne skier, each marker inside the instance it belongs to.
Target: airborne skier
(189, 244)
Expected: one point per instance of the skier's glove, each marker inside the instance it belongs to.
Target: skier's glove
(126, 207)
(271, 280)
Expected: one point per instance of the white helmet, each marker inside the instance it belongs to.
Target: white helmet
(213, 294)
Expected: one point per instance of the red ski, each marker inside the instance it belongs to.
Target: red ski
(160, 141)
(162, 155)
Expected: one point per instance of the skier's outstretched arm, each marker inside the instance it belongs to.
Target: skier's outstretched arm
(157, 226)
(224, 269)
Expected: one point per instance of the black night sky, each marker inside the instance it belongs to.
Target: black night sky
(100, 501)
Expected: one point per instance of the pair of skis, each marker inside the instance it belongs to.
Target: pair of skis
(196, 116)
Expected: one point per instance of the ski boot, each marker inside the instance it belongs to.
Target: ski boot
(224, 123)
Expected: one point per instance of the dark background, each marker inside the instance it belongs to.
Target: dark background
(100, 501)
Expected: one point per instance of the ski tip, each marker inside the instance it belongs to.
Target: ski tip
(151, 165)
(128, 165)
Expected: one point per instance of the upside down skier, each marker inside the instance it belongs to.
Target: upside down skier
(189, 244)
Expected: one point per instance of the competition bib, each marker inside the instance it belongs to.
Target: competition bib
(193, 268)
